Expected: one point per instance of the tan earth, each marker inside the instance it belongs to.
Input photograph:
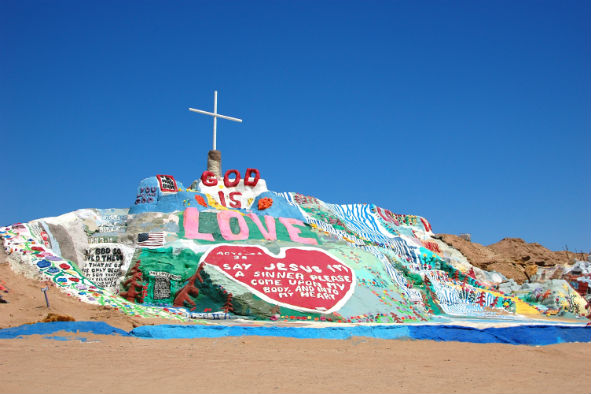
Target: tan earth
(35, 364)
(281, 365)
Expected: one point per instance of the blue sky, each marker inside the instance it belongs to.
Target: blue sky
(475, 115)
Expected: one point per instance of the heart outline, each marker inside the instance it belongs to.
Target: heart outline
(282, 255)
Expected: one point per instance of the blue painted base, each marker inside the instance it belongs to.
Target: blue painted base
(515, 335)
(92, 327)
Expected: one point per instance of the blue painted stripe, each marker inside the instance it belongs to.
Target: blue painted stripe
(178, 331)
(516, 335)
(99, 328)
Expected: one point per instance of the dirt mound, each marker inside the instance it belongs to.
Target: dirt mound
(512, 257)
(51, 317)
(25, 303)
(517, 249)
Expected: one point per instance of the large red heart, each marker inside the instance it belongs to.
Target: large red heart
(305, 279)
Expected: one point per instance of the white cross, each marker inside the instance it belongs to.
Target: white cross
(215, 115)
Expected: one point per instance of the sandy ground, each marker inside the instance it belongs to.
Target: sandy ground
(269, 365)
(261, 364)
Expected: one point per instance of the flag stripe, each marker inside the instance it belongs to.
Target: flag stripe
(151, 239)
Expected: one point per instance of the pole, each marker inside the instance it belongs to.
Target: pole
(44, 290)
(215, 118)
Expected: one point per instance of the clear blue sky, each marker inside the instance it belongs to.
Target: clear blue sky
(475, 115)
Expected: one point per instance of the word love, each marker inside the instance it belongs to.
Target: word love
(268, 230)
(305, 279)
(234, 196)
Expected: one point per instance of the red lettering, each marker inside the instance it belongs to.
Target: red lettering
(257, 176)
(235, 203)
(251, 178)
(231, 183)
(222, 198)
(208, 178)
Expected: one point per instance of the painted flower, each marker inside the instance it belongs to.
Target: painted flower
(265, 203)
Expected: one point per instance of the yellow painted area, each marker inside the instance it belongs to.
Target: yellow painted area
(523, 308)
(213, 203)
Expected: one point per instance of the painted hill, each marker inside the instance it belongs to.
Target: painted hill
(230, 248)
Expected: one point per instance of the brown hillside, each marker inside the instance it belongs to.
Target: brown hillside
(512, 257)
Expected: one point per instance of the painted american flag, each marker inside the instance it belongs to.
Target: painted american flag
(151, 240)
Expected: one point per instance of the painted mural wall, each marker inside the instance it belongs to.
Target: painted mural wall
(232, 248)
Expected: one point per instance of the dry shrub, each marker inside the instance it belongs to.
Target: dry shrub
(56, 317)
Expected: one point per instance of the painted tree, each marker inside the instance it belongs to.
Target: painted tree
(228, 305)
(481, 299)
(184, 295)
(135, 285)
(465, 281)
(494, 303)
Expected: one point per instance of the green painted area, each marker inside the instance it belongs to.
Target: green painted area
(377, 298)
(380, 299)
(167, 272)
(182, 265)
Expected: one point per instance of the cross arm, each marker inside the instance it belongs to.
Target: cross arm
(215, 115)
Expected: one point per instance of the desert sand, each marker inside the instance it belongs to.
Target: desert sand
(264, 365)
(35, 364)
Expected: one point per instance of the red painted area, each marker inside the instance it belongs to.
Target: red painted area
(183, 296)
(432, 246)
(228, 182)
(209, 179)
(301, 278)
(132, 294)
(265, 203)
(426, 224)
(481, 299)
(251, 182)
(167, 183)
(387, 215)
(200, 200)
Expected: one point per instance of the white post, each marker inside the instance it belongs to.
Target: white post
(215, 118)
